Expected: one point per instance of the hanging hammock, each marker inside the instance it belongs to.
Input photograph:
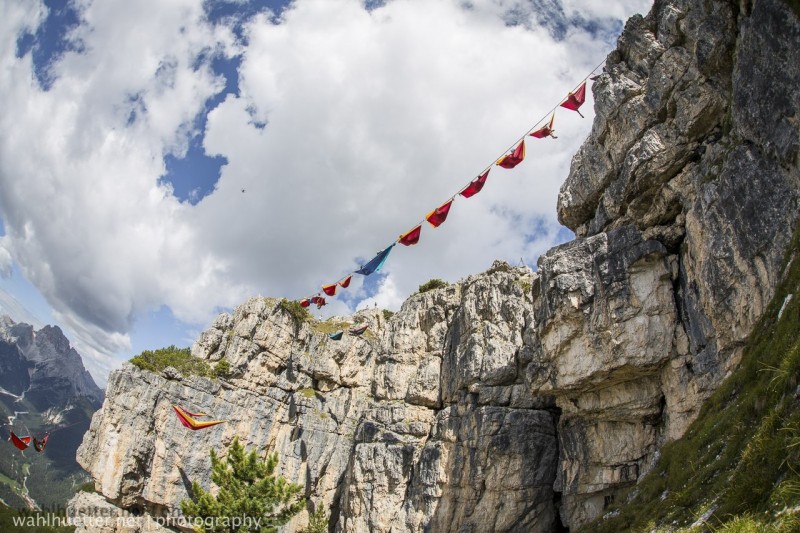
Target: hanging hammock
(375, 263)
(358, 330)
(411, 237)
(20, 442)
(575, 100)
(475, 186)
(330, 290)
(187, 419)
(513, 159)
(39, 445)
(546, 130)
(437, 217)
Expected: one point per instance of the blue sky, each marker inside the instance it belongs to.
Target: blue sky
(132, 130)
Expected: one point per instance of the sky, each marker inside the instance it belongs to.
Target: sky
(161, 161)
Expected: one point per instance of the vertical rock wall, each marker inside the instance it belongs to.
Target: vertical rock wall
(695, 149)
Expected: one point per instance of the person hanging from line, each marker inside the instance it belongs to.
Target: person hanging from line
(39, 445)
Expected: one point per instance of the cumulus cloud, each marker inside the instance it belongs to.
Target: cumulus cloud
(349, 125)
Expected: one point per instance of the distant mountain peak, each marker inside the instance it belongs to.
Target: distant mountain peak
(51, 371)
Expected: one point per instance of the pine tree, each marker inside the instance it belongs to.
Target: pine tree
(317, 521)
(250, 496)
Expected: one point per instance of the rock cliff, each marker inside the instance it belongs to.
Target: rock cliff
(516, 400)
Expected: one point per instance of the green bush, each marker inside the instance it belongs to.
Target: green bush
(387, 314)
(179, 358)
(432, 284)
(299, 313)
(222, 369)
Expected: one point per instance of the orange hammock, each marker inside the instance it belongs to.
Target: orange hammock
(187, 419)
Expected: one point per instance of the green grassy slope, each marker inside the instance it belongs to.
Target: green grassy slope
(739, 464)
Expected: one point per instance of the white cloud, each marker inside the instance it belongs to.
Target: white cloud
(373, 119)
(619, 9)
(387, 297)
(19, 313)
(6, 261)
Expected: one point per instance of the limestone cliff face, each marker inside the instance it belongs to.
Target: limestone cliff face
(423, 422)
(513, 400)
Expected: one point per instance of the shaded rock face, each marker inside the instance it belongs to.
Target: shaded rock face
(513, 400)
(695, 147)
(42, 365)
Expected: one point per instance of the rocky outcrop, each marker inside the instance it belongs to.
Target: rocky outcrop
(513, 400)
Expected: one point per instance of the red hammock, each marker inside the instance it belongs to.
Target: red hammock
(475, 185)
(39, 445)
(330, 290)
(546, 130)
(513, 159)
(410, 237)
(575, 100)
(439, 215)
(20, 442)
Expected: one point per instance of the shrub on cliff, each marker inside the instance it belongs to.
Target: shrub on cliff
(222, 369)
(250, 496)
(432, 284)
(179, 358)
(299, 313)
